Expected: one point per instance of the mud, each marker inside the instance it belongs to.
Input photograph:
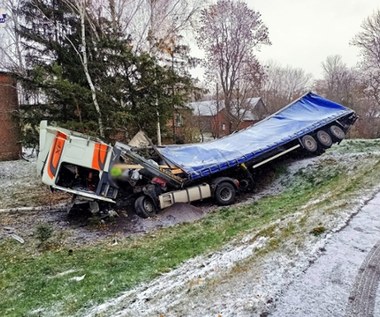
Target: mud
(22, 194)
(20, 186)
(81, 229)
(178, 213)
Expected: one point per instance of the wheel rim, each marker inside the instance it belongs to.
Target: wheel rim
(225, 194)
(148, 206)
(337, 132)
(324, 138)
(309, 143)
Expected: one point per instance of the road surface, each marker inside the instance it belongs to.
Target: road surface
(344, 280)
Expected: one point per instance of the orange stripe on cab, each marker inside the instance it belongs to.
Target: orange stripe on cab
(99, 156)
(55, 154)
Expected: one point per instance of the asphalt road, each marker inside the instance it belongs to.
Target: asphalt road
(344, 280)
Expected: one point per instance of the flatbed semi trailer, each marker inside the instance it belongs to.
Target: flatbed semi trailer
(101, 174)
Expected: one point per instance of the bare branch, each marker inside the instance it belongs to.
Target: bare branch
(230, 32)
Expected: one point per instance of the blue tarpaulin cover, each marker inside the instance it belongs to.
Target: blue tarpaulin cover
(304, 115)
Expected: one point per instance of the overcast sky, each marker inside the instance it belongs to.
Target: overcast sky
(304, 32)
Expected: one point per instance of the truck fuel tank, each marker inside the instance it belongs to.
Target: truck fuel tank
(187, 195)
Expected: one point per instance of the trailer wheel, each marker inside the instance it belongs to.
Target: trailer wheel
(324, 138)
(145, 207)
(225, 194)
(309, 143)
(337, 133)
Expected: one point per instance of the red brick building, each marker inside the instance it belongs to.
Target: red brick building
(214, 121)
(10, 148)
(179, 126)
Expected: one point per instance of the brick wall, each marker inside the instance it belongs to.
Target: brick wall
(10, 148)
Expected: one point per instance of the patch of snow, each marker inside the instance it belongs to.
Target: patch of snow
(194, 273)
(324, 289)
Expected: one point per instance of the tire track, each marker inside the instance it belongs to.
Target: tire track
(362, 299)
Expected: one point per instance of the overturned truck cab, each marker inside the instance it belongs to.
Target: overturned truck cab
(75, 163)
(101, 175)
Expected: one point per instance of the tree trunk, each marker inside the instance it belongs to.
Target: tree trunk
(85, 67)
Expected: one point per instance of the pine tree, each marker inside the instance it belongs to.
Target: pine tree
(131, 88)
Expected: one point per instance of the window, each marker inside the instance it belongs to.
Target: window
(178, 120)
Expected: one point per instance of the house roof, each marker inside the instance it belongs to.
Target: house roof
(5, 72)
(210, 108)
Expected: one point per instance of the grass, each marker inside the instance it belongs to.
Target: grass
(318, 230)
(42, 281)
(110, 269)
(358, 146)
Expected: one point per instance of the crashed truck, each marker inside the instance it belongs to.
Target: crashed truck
(101, 175)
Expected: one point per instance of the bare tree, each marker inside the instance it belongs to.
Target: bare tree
(249, 83)
(230, 32)
(368, 40)
(284, 84)
(80, 7)
(149, 24)
(11, 52)
(339, 81)
(121, 13)
(352, 88)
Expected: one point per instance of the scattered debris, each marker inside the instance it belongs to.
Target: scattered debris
(64, 273)
(112, 213)
(17, 238)
(77, 278)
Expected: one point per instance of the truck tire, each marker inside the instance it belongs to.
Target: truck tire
(337, 133)
(145, 207)
(309, 143)
(324, 138)
(225, 194)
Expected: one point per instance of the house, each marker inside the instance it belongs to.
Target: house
(214, 121)
(179, 126)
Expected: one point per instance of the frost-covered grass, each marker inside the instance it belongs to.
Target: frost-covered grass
(20, 186)
(65, 281)
(357, 146)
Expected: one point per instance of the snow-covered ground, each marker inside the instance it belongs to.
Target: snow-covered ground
(239, 280)
(306, 275)
(340, 282)
(314, 280)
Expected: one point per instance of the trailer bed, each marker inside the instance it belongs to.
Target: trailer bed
(303, 116)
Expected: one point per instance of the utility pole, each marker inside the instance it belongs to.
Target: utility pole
(158, 125)
(158, 117)
(174, 112)
(152, 4)
(217, 111)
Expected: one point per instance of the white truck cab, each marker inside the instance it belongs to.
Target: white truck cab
(75, 163)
